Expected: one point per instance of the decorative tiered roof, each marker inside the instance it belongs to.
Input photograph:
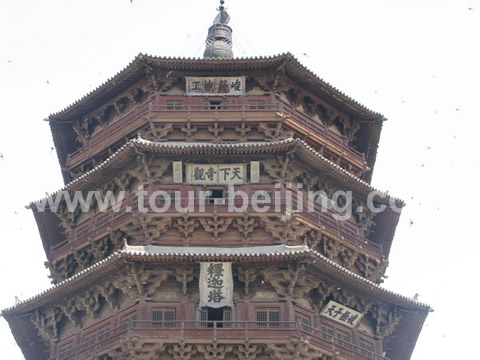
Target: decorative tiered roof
(386, 221)
(114, 263)
(61, 122)
(128, 152)
(156, 253)
(135, 71)
(410, 323)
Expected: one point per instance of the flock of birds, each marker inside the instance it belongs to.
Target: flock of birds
(410, 221)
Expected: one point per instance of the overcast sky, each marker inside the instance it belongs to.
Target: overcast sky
(416, 62)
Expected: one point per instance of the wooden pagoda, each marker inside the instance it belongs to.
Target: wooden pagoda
(197, 280)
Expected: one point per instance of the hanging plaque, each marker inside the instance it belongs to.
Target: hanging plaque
(341, 314)
(225, 85)
(216, 284)
(216, 173)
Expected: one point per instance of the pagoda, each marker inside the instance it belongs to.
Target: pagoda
(227, 214)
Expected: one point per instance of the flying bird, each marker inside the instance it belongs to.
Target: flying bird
(410, 222)
(1, 156)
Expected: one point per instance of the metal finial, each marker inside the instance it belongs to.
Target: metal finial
(219, 38)
(222, 17)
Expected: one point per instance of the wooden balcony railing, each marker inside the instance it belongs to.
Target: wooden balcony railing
(319, 217)
(224, 331)
(129, 124)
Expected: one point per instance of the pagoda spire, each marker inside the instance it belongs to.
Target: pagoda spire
(219, 38)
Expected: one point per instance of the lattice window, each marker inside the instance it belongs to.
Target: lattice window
(203, 317)
(88, 340)
(103, 333)
(366, 348)
(327, 332)
(343, 339)
(65, 350)
(227, 316)
(268, 317)
(163, 317)
(127, 320)
(303, 321)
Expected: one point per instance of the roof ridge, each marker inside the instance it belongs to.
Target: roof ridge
(125, 252)
(145, 57)
(183, 145)
(116, 254)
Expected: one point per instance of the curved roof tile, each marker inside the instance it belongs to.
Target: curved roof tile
(166, 253)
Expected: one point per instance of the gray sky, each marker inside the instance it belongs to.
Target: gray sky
(417, 62)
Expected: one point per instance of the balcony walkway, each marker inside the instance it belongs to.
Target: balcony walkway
(224, 332)
(129, 124)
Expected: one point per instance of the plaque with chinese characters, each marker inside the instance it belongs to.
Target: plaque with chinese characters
(227, 85)
(216, 173)
(341, 314)
(216, 284)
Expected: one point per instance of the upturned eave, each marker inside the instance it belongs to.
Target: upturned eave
(154, 253)
(128, 153)
(414, 312)
(61, 121)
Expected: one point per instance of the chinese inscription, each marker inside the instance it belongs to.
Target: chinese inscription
(215, 174)
(230, 85)
(216, 284)
(341, 313)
